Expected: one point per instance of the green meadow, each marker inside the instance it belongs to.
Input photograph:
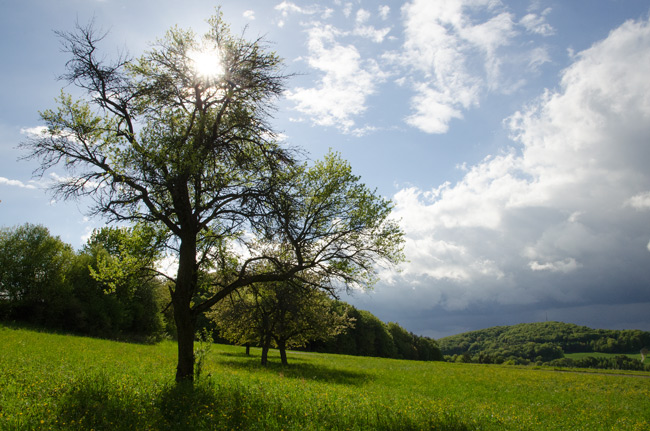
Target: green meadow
(50, 381)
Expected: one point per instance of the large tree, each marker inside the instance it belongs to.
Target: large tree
(179, 139)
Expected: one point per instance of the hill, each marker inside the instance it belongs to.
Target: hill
(63, 382)
(539, 342)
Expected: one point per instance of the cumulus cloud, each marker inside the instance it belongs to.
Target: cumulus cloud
(457, 51)
(249, 14)
(17, 183)
(555, 218)
(363, 29)
(287, 7)
(443, 39)
(347, 80)
(453, 53)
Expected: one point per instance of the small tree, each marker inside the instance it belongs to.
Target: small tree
(168, 142)
(285, 314)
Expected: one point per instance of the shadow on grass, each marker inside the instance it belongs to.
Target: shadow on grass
(301, 369)
(274, 355)
(96, 402)
(97, 335)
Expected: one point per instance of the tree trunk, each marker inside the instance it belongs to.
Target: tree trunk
(248, 349)
(266, 344)
(282, 345)
(185, 328)
(183, 315)
(265, 355)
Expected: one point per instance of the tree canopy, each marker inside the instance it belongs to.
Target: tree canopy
(162, 141)
(33, 267)
(285, 315)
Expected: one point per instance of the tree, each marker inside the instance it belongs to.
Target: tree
(285, 314)
(404, 341)
(301, 314)
(428, 349)
(164, 142)
(372, 335)
(121, 264)
(33, 272)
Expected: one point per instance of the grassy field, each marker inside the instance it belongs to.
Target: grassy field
(64, 382)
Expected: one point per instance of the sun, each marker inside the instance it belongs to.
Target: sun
(207, 63)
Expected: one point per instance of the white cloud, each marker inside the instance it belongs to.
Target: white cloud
(537, 57)
(17, 183)
(640, 201)
(368, 31)
(347, 80)
(457, 51)
(377, 35)
(347, 10)
(442, 38)
(567, 265)
(362, 16)
(454, 53)
(434, 110)
(249, 14)
(88, 232)
(537, 24)
(384, 11)
(562, 203)
(33, 132)
(286, 8)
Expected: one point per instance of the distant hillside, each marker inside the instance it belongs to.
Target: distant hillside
(539, 342)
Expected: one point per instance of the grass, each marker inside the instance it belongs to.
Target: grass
(50, 381)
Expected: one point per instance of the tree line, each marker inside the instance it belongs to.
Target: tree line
(43, 281)
(290, 316)
(108, 289)
(545, 343)
(369, 336)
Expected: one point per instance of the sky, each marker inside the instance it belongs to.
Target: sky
(512, 136)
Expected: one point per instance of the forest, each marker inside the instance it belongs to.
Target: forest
(546, 343)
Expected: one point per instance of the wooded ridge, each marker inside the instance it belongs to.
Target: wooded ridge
(547, 342)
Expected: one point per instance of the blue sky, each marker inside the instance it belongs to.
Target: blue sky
(513, 137)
